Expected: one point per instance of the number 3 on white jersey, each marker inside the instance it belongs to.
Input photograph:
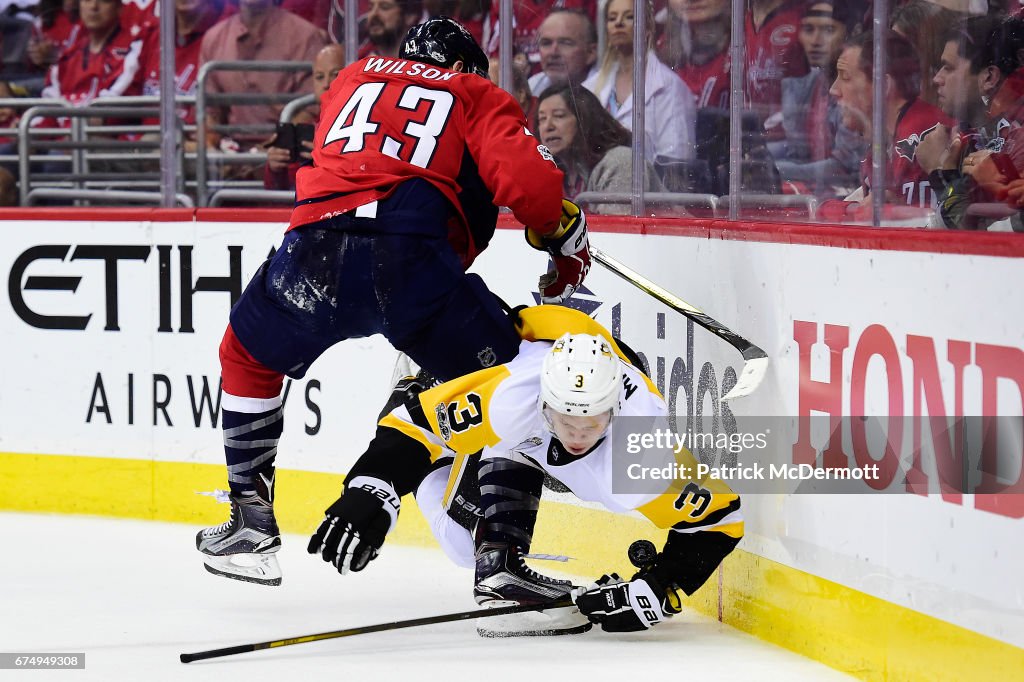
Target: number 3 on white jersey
(353, 123)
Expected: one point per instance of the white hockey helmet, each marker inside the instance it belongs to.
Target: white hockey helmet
(581, 376)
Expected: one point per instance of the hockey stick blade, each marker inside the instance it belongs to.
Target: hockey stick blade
(380, 627)
(755, 360)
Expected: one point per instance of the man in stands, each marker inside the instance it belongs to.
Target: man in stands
(281, 167)
(908, 119)
(773, 52)
(261, 31)
(105, 61)
(567, 41)
(387, 22)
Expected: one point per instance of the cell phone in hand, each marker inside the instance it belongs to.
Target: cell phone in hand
(290, 136)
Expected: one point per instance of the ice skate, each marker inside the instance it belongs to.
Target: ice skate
(244, 546)
(504, 579)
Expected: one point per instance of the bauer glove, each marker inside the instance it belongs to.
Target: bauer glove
(354, 527)
(628, 607)
(570, 252)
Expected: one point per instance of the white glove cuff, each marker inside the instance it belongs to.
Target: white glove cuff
(645, 603)
(383, 491)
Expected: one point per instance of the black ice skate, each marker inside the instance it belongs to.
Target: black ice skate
(504, 579)
(244, 546)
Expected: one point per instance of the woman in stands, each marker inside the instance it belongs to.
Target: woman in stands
(670, 112)
(589, 145)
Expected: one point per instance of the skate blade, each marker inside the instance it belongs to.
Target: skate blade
(262, 569)
(548, 623)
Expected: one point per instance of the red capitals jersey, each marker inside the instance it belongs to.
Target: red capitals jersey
(81, 75)
(709, 82)
(186, 60)
(773, 53)
(385, 120)
(904, 176)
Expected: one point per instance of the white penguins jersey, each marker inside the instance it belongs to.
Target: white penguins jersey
(497, 410)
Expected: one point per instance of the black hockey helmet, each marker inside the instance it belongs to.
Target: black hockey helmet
(442, 41)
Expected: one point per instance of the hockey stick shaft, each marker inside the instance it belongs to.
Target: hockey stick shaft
(367, 629)
(756, 362)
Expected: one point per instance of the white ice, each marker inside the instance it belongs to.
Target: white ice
(133, 595)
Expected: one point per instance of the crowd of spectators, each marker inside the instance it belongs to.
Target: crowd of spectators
(951, 85)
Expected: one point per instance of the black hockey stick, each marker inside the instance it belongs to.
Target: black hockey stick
(380, 627)
(755, 360)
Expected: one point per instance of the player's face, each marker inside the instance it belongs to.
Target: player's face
(577, 434)
(954, 85)
(566, 52)
(619, 24)
(99, 15)
(699, 11)
(822, 38)
(852, 91)
(556, 124)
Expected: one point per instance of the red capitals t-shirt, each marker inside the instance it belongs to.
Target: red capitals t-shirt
(709, 82)
(773, 53)
(385, 120)
(904, 176)
(186, 61)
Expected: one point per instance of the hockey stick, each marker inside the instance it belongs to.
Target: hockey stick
(381, 627)
(755, 363)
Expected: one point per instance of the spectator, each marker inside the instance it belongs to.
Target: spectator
(527, 18)
(387, 22)
(589, 145)
(670, 113)
(57, 29)
(9, 118)
(105, 61)
(280, 170)
(567, 41)
(8, 188)
(773, 52)
(925, 25)
(981, 62)
(254, 34)
(908, 119)
(192, 18)
(696, 45)
(817, 150)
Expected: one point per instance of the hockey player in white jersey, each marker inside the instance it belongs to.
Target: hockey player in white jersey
(551, 410)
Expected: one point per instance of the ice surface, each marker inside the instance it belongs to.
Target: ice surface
(133, 595)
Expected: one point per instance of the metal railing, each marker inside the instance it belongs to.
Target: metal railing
(81, 149)
(205, 100)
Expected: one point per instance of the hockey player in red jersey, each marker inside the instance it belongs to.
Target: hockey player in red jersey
(412, 157)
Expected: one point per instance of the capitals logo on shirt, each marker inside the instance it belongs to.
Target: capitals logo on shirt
(907, 148)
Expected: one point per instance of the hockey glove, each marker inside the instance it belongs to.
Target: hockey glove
(570, 251)
(628, 607)
(354, 527)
